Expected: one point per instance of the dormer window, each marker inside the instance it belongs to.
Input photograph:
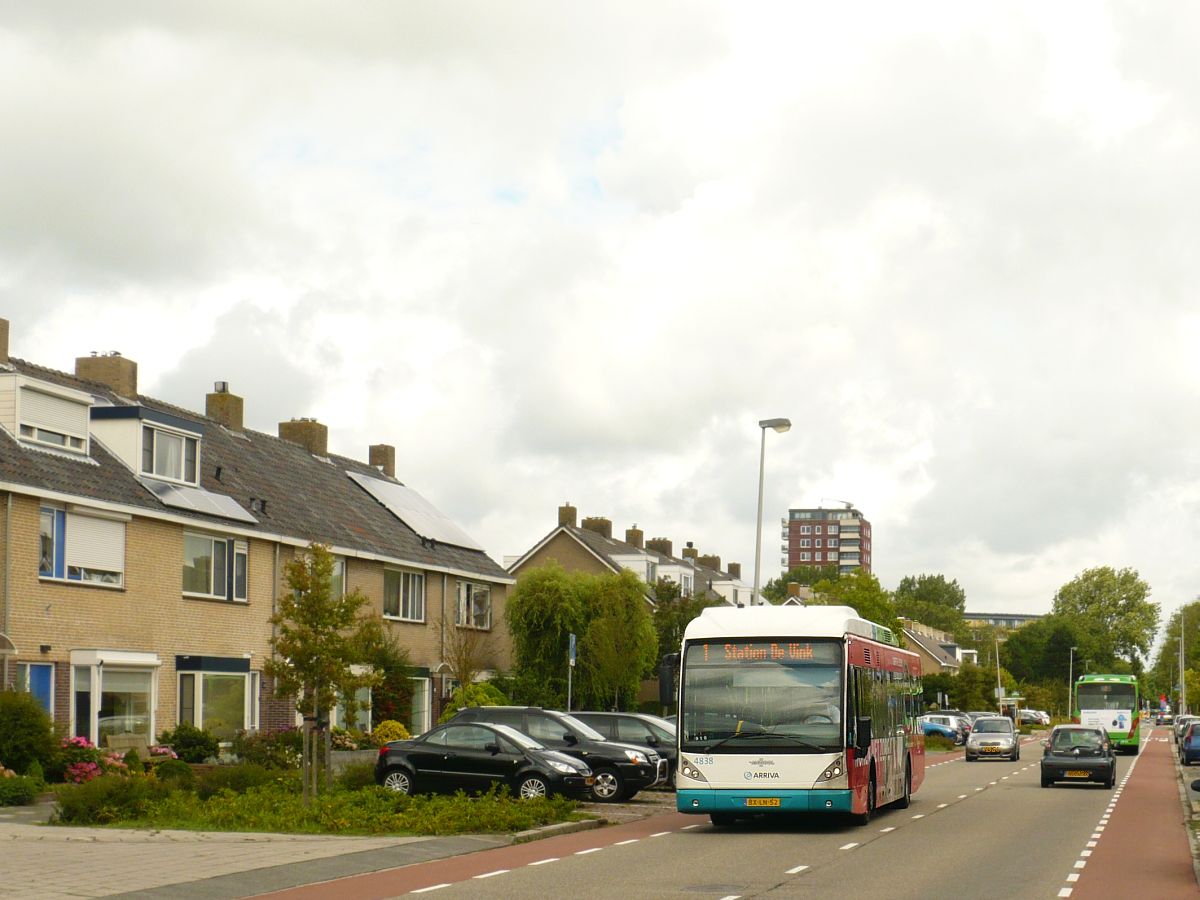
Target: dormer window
(54, 419)
(169, 454)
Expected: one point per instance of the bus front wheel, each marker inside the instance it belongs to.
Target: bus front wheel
(864, 818)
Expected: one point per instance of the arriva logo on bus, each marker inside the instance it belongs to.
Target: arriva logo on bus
(755, 776)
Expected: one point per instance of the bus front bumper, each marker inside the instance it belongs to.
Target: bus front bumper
(747, 802)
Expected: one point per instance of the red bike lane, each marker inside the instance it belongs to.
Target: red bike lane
(1142, 850)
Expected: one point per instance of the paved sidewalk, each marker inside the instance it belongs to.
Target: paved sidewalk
(49, 863)
(1141, 849)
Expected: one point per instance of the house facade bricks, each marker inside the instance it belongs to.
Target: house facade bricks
(144, 549)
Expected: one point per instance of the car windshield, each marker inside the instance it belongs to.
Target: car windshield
(1067, 740)
(586, 730)
(519, 738)
(993, 726)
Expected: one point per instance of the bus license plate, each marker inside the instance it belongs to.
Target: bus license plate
(1078, 773)
(762, 801)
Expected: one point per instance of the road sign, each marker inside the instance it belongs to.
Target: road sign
(571, 652)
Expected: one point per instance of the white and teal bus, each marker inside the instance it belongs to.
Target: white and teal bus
(790, 709)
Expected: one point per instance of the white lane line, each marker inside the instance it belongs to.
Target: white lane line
(962, 796)
(886, 830)
(690, 827)
(632, 841)
(1064, 892)
(1085, 853)
(797, 870)
(991, 783)
(1073, 877)
(586, 852)
(848, 846)
(659, 833)
(1002, 778)
(919, 816)
(1096, 836)
(732, 897)
(978, 789)
(432, 887)
(542, 862)
(1091, 843)
(1080, 863)
(490, 874)
(943, 805)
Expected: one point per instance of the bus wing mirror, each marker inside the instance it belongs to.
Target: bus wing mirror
(862, 733)
(666, 679)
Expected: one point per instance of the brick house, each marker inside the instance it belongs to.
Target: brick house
(144, 546)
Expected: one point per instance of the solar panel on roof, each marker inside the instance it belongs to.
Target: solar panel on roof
(415, 511)
(198, 500)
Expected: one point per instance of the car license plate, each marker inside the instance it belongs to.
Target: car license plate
(1078, 773)
(762, 801)
(991, 749)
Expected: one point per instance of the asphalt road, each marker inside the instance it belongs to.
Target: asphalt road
(984, 829)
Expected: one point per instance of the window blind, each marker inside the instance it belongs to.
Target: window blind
(95, 543)
(54, 413)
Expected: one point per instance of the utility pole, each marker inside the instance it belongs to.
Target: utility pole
(1071, 684)
(999, 689)
(1182, 678)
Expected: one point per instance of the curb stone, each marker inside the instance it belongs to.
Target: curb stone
(549, 831)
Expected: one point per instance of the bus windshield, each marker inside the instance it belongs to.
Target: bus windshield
(749, 696)
(1105, 696)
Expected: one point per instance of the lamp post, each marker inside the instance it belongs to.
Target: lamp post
(999, 688)
(779, 425)
(1071, 684)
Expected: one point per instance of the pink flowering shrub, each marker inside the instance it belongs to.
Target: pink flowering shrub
(163, 752)
(80, 761)
(79, 772)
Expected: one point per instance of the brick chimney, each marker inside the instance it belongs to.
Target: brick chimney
(710, 562)
(223, 406)
(383, 456)
(634, 536)
(600, 525)
(793, 588)
(308, 433)
(3, 340)
(567, 514)
(660, 545)
(690, 552)
(112, 370)
(734, 569)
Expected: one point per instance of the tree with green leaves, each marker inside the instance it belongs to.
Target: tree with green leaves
(1111, 612)
(862, 591)
(775, 590)
(931, 600)
(1163, 675)
(320, 640)
(672, 613)
(620, 646)
(546, 605)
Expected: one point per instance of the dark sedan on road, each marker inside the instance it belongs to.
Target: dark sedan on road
(1078, 753)
(1189, 744)
(473, 758)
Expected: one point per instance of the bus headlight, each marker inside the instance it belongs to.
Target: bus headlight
(688, 770)
(834, 770)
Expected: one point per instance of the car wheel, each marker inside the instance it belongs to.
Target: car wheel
(906, 799)
(530, 787)
(968, 758)
(1112, 778)
(1046, 782)
(864, 818)
(608, 786)
(398, 780)
(722, 820)
(1017, 754)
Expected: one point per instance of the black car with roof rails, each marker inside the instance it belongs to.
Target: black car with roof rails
(620, 769)
(475, 757)
(636, 728)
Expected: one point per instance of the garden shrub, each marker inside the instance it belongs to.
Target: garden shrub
(133, 762)
(190, 743)
(389, 730)
(938, 743)
(35, 772)
(356, 776)
(107, 799)
(26, 732)
(78, 760)
(273, 749)
(176, 772)
(341, 739)
(239, 779)
(19, 790)
(480, 693)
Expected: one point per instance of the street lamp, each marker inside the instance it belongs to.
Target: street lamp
(1071, 684)
(779, 425)
(999, 687)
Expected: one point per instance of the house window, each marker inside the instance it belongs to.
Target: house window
(418, 719)
(832, 542)
(170, 455)
(222, 703)
(361, 720)
(53, 421)
(831, 528)
(337, 579)
(651, 572)
(474, 605)
(816, 529)
(805, 556)
(404, 595)
(817, 542)
(832, 556)
(806, 529)
(215, 567)
(81, 548)
(687, 586)
(108, 701)
(805, 542)
(38, 679)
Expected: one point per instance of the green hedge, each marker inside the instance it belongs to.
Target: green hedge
(18, 791)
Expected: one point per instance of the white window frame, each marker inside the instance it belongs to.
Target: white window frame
(229, 582)
(806, 542)
(406, 595)
(66, 563)
(831, 528)
(155, 429)
(804, 556)
(96, 672)
(336, 575)
(22, 683)
(686, 588)
(831, 556)
(831, 542)
(466, 595)
(250, 707)
(816, 529)
(423, 688)
(33, 431)
(806, 529)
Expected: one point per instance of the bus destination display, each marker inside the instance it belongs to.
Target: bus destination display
(785, 652)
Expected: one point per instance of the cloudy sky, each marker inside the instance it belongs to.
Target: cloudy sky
(563, 251)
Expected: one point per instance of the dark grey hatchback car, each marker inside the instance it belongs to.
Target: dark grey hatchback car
(473, 758)
(1078, 753)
